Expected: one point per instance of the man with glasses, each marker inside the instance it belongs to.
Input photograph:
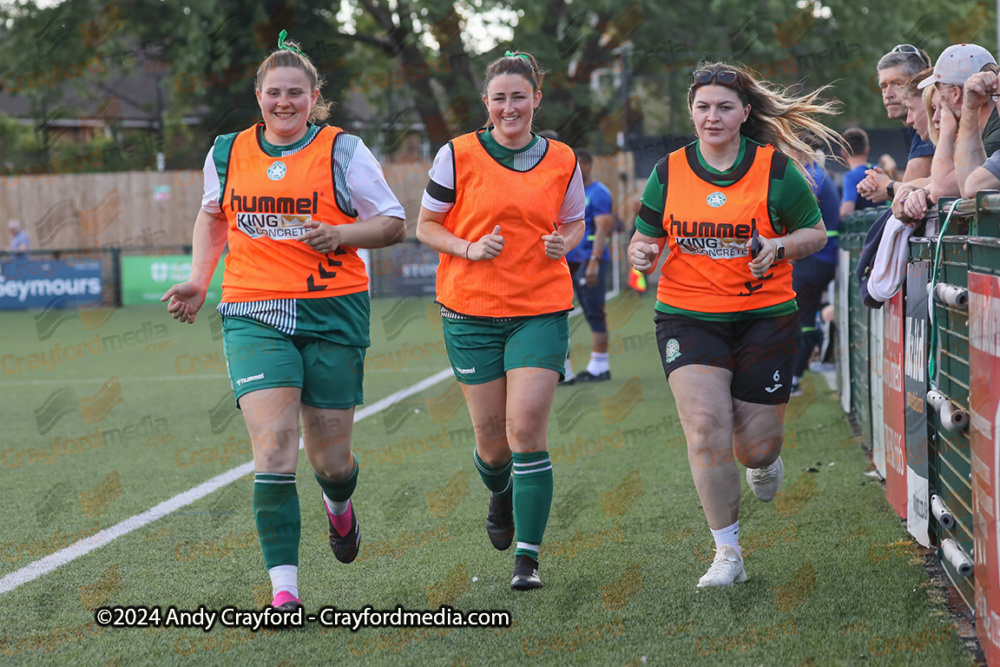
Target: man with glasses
(968, 128)
(895, 69)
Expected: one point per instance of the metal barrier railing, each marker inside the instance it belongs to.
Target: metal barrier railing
(934, 431)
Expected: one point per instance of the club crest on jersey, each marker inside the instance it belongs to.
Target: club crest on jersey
(716, 199)
(277, 171)
(672, 351)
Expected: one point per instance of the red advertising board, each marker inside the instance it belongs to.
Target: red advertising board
(984, 436)
(893, 416)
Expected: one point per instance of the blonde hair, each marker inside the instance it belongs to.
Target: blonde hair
(287, 58)
(928, 95)
(778, 117)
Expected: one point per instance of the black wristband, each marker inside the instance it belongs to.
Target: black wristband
(891, 189)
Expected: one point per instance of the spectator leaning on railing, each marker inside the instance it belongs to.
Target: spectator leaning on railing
(956, 65)
(975, 172)
(895, 69)
(925, 119)
(921, 109)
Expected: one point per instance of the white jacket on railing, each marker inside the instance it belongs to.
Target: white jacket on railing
(889, 268)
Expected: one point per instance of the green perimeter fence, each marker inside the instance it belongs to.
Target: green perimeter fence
(920, 380)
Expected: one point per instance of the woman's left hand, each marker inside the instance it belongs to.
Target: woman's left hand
(321, 237)
(760, 265)
(555, 245)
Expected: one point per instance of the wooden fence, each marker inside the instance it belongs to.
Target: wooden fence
(136, 209)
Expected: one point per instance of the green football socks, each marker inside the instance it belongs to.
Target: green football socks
(532, 500)
(276, 510)
(496, 480)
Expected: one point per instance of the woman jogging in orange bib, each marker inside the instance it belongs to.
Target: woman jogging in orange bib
(294, 200)
(503, 206)
(726, 318)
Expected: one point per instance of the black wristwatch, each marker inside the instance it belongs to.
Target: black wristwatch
(891, 189)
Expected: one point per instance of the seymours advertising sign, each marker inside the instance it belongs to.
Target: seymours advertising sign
(31, 283)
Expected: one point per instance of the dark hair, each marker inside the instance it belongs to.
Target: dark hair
(911, 62)
(856, 140)
(287, 58)
(549, 134)
(517, 63)
(777, 117)
(584, 156)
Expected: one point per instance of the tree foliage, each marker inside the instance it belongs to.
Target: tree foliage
(613, 68)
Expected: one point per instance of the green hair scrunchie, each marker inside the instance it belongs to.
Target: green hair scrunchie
(286, 47)
(508, 54)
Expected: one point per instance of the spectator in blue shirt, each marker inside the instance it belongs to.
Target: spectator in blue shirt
(811, 275)
(589, 263)
(895, 70)
(856, 155)
(19, 240)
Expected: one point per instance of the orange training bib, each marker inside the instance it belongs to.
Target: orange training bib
(267, 200)
(708, 227)
(521, 280)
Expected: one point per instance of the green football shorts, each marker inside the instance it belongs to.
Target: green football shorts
(261, 357)
(482, 350)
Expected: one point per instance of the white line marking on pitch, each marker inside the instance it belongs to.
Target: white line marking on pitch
(153, 378)
(45, 565)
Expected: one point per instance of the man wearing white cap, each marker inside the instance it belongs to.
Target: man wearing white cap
(954, 67)
(972, 168)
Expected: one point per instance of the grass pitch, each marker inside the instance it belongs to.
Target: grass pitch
(107, 413)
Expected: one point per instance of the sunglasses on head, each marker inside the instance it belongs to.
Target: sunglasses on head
(909, 48)
(704, 77)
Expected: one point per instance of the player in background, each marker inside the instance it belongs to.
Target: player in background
(503, 206)
(726, 320)
(590, 263)
(295, 199)
(812, 275)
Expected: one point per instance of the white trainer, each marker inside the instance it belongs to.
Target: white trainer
(727, 569)
(765, 482)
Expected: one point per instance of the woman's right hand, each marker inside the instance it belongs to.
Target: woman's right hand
(643, 256)
(488, 247)
(186, 299)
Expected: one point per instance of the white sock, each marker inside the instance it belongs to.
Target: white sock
(598, 363)
(569, 374)
(730, 536)
(530, 547)
(284, 578)
(336, 507)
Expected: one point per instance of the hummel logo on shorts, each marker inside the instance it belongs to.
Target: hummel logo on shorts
(259, 376)
(467, 371)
